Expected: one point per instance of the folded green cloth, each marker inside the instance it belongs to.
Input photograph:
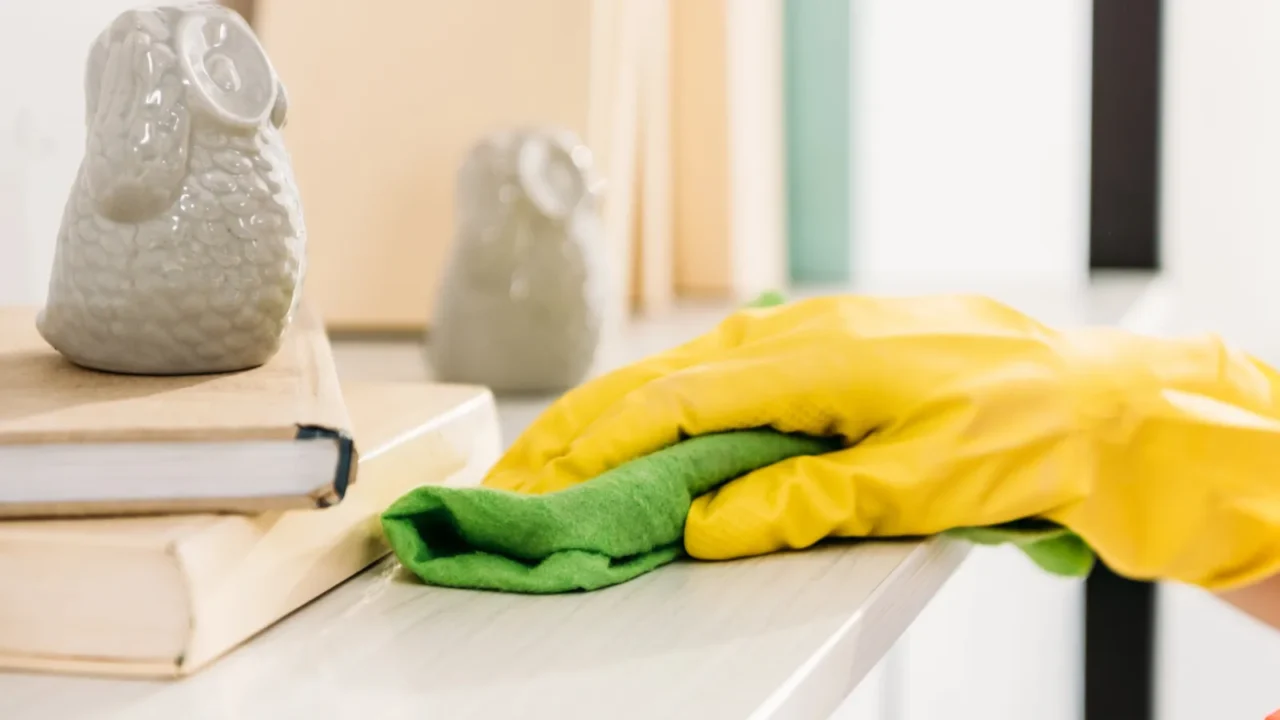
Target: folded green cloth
(624, 523)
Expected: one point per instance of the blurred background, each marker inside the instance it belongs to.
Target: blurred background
(1065, 150)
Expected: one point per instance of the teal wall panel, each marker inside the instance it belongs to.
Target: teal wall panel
(817, 94)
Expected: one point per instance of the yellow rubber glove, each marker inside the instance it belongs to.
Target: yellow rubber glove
(1163, 455)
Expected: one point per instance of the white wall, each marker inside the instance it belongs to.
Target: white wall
(1221, 167)
(970, 139)
(1001, 641)
(758, 172)
(1213, 662)
(41, 130)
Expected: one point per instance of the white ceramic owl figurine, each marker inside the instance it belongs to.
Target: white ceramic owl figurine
(520, 307)
(182, 244)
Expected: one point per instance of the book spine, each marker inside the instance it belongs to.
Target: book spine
(344, 470)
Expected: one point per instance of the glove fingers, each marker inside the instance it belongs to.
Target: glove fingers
(793, 397)
(1202, 365)
(919, 481)
(1186, 491)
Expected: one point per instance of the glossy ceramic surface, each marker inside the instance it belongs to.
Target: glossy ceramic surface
(520, 304)
(181, 249)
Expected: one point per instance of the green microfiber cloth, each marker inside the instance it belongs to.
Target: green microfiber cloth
(612, 528)
(625, 522)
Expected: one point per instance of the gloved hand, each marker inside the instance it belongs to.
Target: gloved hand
(1163, 455)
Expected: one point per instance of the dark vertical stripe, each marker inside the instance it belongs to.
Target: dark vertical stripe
(1119, 672)
(1124, 197)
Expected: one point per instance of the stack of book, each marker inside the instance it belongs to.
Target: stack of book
(149, 525)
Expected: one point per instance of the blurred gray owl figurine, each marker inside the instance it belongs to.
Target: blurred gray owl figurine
(519, 308)
(181, 249)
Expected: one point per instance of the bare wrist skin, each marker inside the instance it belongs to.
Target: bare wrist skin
(1261, 600)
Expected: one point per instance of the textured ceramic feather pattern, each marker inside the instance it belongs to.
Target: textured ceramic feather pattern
(182, 244)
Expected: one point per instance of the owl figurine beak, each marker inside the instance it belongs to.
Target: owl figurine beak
(280, 110)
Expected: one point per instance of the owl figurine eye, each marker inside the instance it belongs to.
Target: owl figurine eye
(551, 175)
(227, 68)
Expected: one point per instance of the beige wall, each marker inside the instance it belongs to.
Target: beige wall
(383, 103)
(244, 7)
(700, 145)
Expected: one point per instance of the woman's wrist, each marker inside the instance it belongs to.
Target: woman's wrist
(1260, 600)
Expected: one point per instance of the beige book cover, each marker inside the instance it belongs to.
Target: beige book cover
(89, 442)
(163, 596)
